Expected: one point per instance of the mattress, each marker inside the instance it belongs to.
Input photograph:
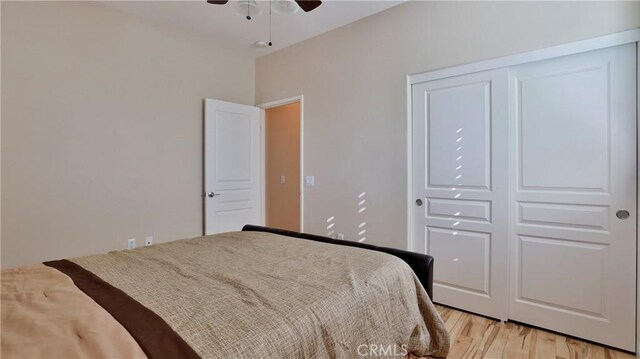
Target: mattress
(231, 295)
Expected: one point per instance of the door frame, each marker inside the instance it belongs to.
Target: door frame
(601, 42)
(263, 107)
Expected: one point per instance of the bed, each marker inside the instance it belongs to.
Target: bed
(257, 293)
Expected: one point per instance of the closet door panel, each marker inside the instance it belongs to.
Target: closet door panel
(573, 165)
(460, 166)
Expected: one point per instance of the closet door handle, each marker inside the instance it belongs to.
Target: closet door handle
(622, 214)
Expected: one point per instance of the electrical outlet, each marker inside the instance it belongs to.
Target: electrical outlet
(309, 181)
(148, 241)
(131, 243)
(340, 236)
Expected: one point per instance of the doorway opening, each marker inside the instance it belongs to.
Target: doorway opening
(283, 164)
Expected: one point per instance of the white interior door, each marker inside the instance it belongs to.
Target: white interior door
(573, 146)
(231, 166)
(460, 156)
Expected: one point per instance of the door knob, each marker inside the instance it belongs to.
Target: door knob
(622, 214)
(212, 194)
(418, 202)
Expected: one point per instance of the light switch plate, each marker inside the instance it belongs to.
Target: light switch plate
(283, 179)
(309, 181)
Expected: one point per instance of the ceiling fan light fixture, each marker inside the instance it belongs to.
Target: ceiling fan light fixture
(285, 7)
(261, 44)
(247, 8)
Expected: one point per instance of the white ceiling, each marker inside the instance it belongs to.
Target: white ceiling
(223, 26)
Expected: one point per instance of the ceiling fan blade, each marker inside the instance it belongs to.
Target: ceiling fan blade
(308, 5)
(217, 2)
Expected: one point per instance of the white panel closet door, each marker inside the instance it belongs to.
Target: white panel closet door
(573, 163)
(231, 166)
(460, 158)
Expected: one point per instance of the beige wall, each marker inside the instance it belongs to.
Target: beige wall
(102, 128)
(353, 81)
(282, 157)
(86, 166)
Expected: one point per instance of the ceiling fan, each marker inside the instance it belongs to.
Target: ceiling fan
(306, 5)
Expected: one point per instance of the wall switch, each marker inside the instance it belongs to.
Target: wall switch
(309, 181)
(131, 243)
(283, 179)
(340, 236)
(148, 241)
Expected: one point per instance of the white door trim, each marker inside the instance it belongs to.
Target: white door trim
(576, 47)
(263, 107)
(638, 215)
(619, 38)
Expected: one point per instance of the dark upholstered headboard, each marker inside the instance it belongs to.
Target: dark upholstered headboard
(421, 264)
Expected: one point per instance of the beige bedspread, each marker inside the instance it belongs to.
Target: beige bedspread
(260, 295)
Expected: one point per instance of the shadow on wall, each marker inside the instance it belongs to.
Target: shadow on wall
(361, 199)
(331, 222)
(362, 227)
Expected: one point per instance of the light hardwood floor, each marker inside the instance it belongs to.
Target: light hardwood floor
(473, 336)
